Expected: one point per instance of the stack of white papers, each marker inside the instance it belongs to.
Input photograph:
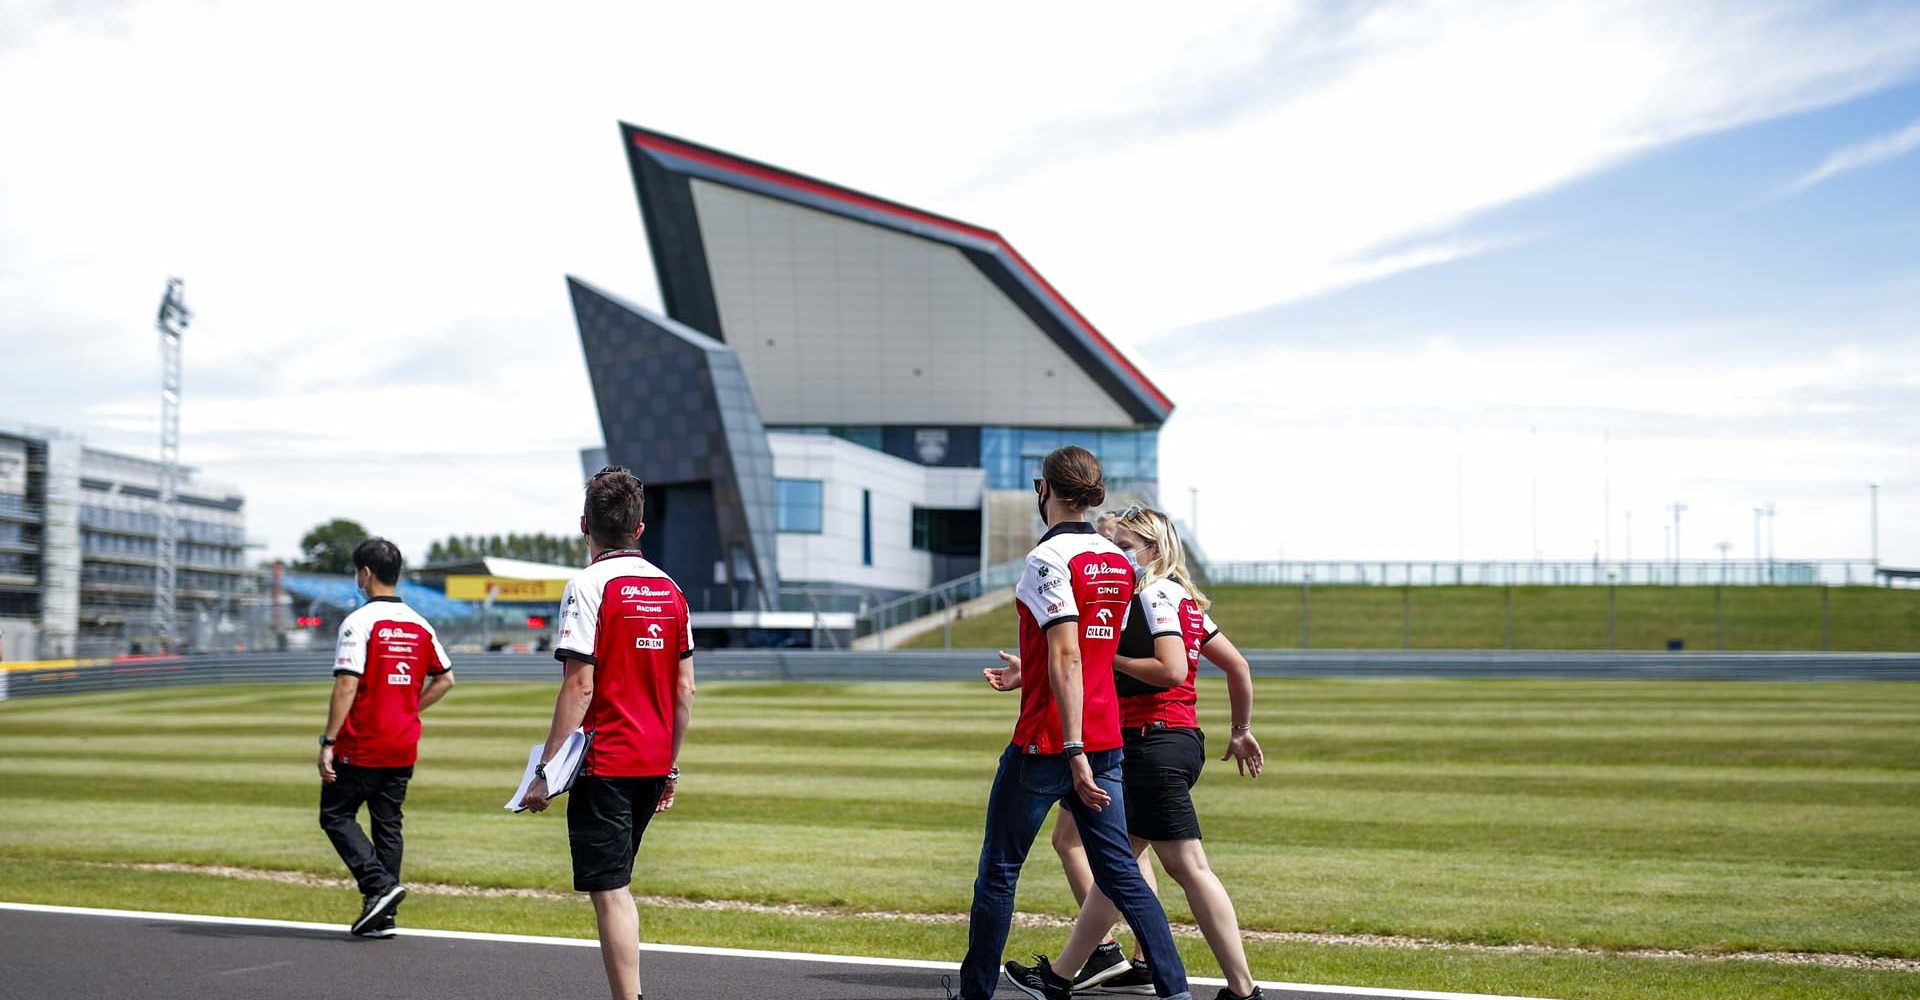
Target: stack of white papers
(560, 773)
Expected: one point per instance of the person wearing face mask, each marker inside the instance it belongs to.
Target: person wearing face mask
(1072, 602)
(388, 667)
(1166, 635)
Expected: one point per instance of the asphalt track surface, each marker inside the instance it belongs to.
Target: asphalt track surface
(57, 953)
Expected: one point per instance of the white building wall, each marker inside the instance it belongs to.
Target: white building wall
(845, 470)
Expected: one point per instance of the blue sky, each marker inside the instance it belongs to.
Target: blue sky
(1703, 231)
(1405, 266)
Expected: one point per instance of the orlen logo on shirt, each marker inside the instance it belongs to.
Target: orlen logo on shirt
(396, 633)
(653, 638)
(650, 593)
(1104, 630)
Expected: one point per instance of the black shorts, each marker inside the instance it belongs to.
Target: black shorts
(1158, 774)
(605, 820)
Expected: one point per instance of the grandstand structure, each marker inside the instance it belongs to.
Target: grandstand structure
(81, 530)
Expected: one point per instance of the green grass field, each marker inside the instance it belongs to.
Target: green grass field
(1705, 817)
(1350, 617)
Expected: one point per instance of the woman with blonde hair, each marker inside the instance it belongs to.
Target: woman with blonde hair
(1167, 633)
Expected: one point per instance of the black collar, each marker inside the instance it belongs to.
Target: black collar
(395, 598)
(1068, 528)
(611, 553)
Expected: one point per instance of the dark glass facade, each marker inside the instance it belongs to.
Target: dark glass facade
(675, 408)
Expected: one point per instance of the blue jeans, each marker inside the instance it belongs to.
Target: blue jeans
(1024, 791)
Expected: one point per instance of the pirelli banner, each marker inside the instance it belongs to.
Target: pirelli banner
(506, 590)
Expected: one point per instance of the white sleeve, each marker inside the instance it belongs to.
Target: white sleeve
(350, 649)
(1162, 609)
(1208, 628)
(686, 634)
(441, 663)
(1046, 588)
(579, 623)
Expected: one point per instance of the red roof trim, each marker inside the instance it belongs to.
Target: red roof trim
(788, 179)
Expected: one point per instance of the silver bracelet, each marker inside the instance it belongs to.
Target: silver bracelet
(1243, 729)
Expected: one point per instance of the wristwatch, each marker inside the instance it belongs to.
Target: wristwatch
(1072, 750)
(327, 741)
(673, 773)
(540, 771)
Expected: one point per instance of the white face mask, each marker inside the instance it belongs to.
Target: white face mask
(1133, 559)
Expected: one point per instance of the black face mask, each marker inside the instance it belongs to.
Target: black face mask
(1043, 506)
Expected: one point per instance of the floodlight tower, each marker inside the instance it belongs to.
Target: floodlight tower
(171, 322)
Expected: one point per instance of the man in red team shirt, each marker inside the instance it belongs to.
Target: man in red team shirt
(1072, 603)
(388, 667)
(626, 644)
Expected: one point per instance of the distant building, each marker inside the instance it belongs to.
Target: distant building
(849, 397)
(79, 547)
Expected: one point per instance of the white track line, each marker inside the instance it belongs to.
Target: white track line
(687, 949)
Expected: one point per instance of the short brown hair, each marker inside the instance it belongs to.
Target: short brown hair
(1074, 474)
(616, 504)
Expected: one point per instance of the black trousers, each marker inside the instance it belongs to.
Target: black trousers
(375, 863)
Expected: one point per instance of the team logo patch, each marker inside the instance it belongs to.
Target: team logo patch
(1101, 631)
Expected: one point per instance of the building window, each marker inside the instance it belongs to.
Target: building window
(946, 532)
(863, 435)
(797, 505)
(866, 527)
(1012, 455)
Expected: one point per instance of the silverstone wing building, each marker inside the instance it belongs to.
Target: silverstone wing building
(847, 395)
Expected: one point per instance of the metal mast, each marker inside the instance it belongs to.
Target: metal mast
(171, 322)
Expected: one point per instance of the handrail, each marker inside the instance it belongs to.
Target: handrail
(939, 597)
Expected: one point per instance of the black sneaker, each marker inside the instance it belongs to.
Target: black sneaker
(1136, 980)
(385, 928)
(1038, 980)
(378, 906)
(1227, 994)
(1106, 962)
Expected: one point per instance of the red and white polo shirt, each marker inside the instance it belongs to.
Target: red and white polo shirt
(393, 651)
(628, 619)
(1073, 576)
(1164, 608)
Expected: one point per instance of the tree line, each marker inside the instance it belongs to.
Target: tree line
(328, 548)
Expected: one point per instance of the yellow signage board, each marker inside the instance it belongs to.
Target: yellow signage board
(506, 589)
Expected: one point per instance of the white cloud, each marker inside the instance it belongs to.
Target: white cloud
(1870, 152)
(341, 187)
